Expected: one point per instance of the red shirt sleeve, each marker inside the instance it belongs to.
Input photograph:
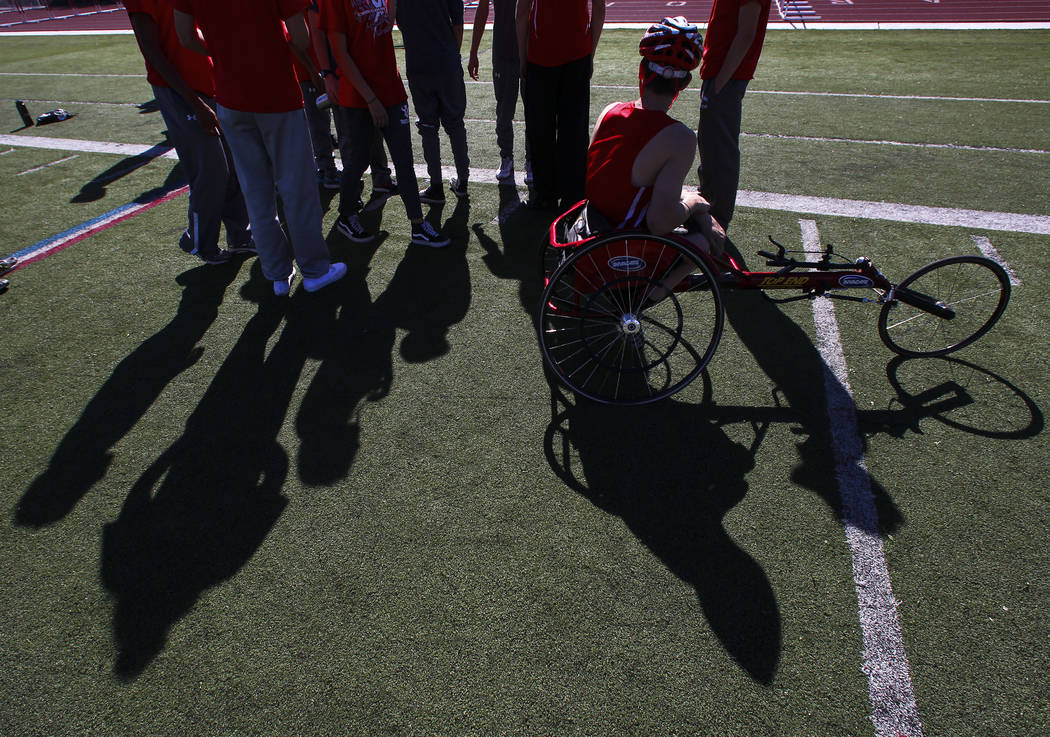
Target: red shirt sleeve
(287, 8)
(332, 18)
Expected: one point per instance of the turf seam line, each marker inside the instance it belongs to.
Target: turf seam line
(984, 245)
(44, 166)
(885, 662)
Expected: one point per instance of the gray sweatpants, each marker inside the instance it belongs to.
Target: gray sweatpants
(272, 152)
(215, 194)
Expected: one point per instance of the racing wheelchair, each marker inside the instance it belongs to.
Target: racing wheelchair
(613, 328)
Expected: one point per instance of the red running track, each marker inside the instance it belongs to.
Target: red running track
(80, 16)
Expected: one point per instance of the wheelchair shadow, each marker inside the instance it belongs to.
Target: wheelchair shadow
(672, 475)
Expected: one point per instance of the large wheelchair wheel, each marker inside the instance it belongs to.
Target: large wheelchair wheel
(630, 319)
(945, 306)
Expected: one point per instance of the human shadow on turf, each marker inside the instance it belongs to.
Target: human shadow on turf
(428, 293)
(199, 512)
(82, 458)
(671, 474)
(516, 254)
(95, 189)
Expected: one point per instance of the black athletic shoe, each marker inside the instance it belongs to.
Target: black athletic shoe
(425, 234)
(350, 226)
(432, 195)
(221, 256)
(458, 188)
(247, 247)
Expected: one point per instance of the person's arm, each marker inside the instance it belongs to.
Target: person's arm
(147, 34)
(748, 18)
(349, 70)
(188, 33)
(324, 56)
(521, 20)
(299, 41)
(455, 12)
(481, 17)
(597, 23)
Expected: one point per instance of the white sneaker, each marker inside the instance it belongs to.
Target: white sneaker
(335, 272)
(282, 287)
(506, 169)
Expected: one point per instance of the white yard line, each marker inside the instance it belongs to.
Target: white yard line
(949, 216)
(829, 206)
(859, 95)
(894, 710)
(858, 141)
(985, 246)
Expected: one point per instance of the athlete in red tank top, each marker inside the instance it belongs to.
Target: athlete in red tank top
(619, 137)
(639, 155)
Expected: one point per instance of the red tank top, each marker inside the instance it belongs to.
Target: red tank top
(621, 135)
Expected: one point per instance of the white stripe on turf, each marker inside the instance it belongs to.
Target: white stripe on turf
(895, 212)
(894, 711)
(985, 246)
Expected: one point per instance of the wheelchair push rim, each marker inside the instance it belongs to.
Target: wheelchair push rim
(610, 328)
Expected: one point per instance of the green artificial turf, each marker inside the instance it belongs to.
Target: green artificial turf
(365, 511)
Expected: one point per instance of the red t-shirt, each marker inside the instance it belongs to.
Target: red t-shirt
(621, 135)
(195, 69)
(559, 32)
(721, 28)
(370, 44)
(253, 63)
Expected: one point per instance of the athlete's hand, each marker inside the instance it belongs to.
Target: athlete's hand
(331, 86)
(472, 65)
(206, 117)
(379, 116)
(714, 232)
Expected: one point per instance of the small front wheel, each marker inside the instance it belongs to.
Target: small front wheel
(944, 306)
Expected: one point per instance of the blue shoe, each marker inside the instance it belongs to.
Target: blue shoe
(335, 273)
(282, 287)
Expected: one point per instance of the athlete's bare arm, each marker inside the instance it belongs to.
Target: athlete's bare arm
(663, 164)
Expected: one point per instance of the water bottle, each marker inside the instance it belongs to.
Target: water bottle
(27, 119)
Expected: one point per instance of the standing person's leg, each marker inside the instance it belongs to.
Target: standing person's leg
(399, 141)
(203, 159)
(378, 165)
(574, 107)
(505, 88)
(541, 112)
(256, 176)
(358, 128)
(287, 141)
(718, 141)
(427, 103)
(453, 109)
